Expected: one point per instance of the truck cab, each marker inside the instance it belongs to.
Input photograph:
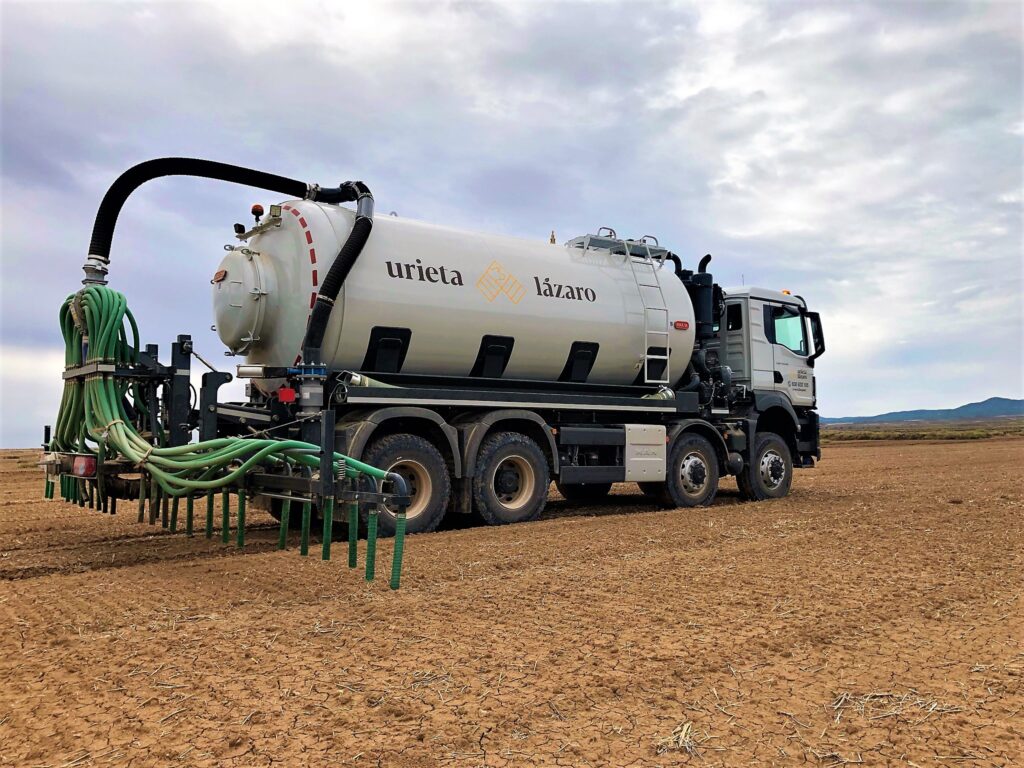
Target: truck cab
(770, 340)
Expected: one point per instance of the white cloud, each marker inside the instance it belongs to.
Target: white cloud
(865, 156)
(30, 391)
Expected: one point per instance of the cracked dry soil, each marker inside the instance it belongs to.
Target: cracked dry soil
(874, 617)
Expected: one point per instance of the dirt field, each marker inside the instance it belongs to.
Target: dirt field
(874, 618)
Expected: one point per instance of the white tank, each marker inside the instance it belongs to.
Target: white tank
(449, 289)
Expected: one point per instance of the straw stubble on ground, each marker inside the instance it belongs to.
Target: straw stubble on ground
(874, 618)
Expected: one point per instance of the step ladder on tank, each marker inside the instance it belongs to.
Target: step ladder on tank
(645, 267)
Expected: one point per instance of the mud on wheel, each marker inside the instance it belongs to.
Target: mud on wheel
(510, 484)
(418, 461)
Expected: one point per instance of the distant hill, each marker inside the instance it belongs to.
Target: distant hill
(993, 408)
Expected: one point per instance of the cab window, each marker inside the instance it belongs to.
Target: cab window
(787, 327)
(733, 318)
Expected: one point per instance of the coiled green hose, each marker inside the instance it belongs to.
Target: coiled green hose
(98, 327)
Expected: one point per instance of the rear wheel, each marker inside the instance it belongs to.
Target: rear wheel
(425, 472)
(769, 474)
(584, 493)
(691, 477)
(510, 484)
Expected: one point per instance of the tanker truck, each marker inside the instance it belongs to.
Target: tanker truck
(480, 368)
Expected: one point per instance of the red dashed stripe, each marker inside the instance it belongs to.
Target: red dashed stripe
(312, 260)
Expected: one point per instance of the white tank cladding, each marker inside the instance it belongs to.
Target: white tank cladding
(445, 290)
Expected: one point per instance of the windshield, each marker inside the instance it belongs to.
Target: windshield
(788, 329)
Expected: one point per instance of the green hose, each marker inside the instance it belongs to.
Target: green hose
(102, 414)
(371, 544)
(396, 561)
(353, 532)
(92, 413)
(240, 540)
(282, 536)
(209, 515)
(304, 535)
(328, 535)
(225, 516)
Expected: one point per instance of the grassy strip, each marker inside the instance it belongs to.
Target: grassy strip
(959, 430)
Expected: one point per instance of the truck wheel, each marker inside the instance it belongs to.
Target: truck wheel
(511, 481)
(691, 477)
(584, 493)
(770, 471)
(426, 473)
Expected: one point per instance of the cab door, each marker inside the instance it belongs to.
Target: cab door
(786, 329)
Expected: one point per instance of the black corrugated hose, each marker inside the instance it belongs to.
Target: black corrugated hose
(339, 270)
(106, 216)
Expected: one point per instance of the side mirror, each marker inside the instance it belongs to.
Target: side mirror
(818, 334)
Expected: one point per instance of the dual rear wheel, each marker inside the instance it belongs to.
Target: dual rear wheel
(509, 485)
(426, 474)
(511, 481)
(511, 478)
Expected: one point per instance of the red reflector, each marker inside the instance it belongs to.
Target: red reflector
(84, 466)
(681, 325)
(286, 395)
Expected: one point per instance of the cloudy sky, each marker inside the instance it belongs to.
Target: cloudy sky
(866, 156)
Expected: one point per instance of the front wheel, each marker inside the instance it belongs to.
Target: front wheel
(769, 474)
(510, 484)
(691, 477)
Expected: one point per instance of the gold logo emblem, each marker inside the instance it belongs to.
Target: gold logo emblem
(497, 280)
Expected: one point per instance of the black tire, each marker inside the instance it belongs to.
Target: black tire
(425, 470)
(691, 477)
(769, 474)
(511, 479)
(584, 493)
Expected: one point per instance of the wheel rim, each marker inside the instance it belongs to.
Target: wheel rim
(773, 469)
(693, 473)
(513, 482)
(421, 486)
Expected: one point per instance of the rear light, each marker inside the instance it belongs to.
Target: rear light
(681, 325)
(83, 466)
